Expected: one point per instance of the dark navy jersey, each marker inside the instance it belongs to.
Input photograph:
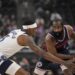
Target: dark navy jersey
(62, 45)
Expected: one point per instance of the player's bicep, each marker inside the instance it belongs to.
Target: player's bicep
(26, 40)
(50, 44)
(73, 35)
(22, 40)
(71, 32)
(34, 47)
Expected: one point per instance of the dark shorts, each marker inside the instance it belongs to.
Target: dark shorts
(46, 65)
(63, 51)
(4, 64)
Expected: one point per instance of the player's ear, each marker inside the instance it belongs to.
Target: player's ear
(22, 40)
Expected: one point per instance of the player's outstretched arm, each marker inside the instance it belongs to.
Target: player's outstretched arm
(24, 40)
(50, 44)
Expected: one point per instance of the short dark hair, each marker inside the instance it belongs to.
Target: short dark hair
(56, 19)
(29, 21)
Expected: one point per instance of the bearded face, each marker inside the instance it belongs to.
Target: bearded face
(57, 29)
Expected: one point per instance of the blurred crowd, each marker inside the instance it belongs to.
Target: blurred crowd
(13, 13)
(8, 22)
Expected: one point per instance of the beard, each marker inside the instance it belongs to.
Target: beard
(58, 35)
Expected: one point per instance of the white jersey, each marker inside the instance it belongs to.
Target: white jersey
(9, 45)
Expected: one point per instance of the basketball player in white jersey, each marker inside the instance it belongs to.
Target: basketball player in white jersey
(14, 42)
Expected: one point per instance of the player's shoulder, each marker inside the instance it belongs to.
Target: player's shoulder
(22, 39)
(68, 27)
(18, 31)
(69, 30)
(49, 37)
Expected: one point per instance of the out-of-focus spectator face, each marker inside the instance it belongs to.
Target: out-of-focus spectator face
(11, 26)
(40, 26)
(25, 4)
(6, 16)
(5, 20)
(13, 23)
(12, 16)
(8, 22)
(47, 12)
(40, 22)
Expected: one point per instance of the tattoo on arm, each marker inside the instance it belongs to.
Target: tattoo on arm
(34, 47)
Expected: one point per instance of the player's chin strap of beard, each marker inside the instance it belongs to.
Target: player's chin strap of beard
(58, 35)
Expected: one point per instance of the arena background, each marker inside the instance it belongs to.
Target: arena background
(13, 13)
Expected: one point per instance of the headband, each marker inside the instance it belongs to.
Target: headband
(30, 26)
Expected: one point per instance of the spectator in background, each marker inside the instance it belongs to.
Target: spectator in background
(40, 30)
(53, 15)
(40, 12)
(13, 25)
(13, 17)
(10, 25)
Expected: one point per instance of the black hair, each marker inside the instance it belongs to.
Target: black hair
(29, 21)
(56, 19)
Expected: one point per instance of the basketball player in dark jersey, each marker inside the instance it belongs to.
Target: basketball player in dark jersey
(56, 43)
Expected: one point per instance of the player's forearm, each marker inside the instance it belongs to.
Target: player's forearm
(47, 56)
(53, 58)
(64, 56)
(44, 54)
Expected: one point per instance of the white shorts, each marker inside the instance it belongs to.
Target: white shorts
(41, 71)
(13, 68)
(63, 67)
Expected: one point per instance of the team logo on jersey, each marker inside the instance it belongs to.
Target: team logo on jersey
(39, 64)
